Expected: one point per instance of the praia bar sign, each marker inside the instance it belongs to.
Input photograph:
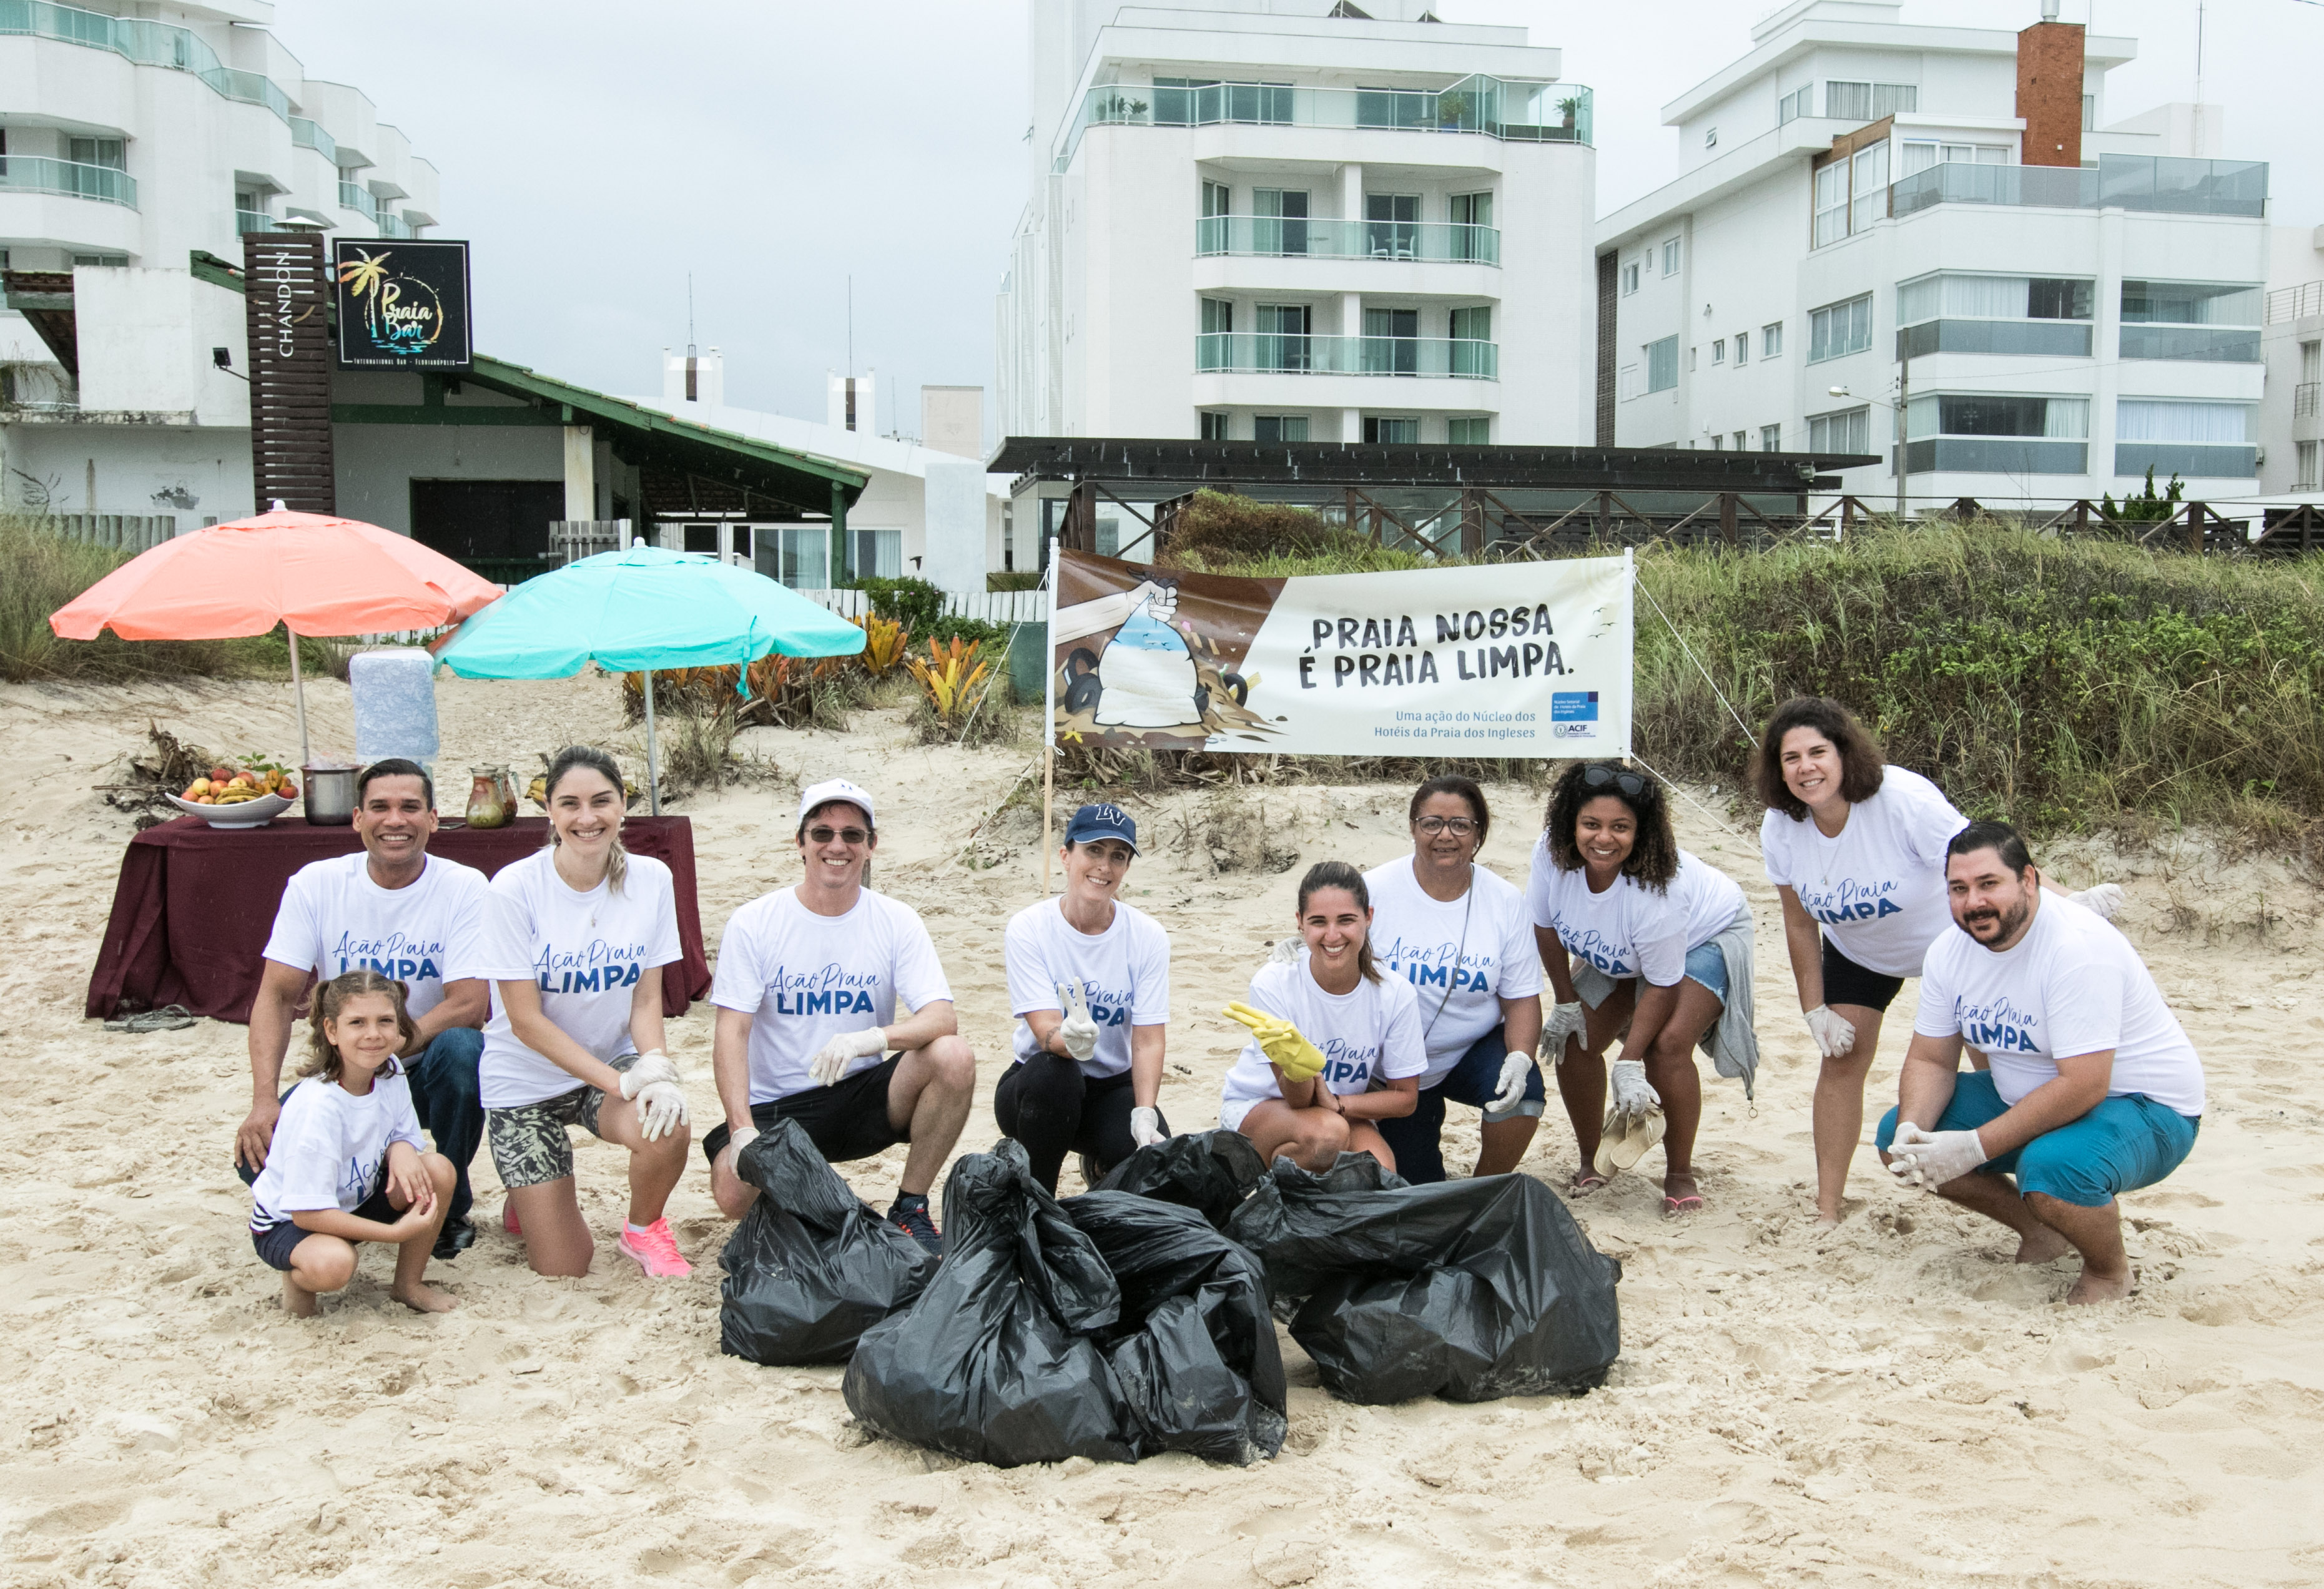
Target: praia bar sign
(402, 303)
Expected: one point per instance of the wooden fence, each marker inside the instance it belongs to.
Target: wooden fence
(129, 533)
(984, 606)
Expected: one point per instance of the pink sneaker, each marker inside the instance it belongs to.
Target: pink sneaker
(656, 1251)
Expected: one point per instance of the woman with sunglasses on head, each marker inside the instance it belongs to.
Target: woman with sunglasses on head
(1089, 979)
(1459, 935)
(1336, 1047)
(576, 937)
(1644, 941)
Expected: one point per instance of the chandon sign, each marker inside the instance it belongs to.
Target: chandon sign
(286, 306)
(402, 303)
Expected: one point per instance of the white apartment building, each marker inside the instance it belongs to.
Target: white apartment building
(1298, 220)
(2291, 415)
(134, 139)
(1866, 203)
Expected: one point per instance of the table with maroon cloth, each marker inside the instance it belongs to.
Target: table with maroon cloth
(196, 905)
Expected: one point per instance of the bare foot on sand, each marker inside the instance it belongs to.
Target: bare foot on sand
(2041, 1244)
(2098, 1287)
(298, 1301)
(424, 1299)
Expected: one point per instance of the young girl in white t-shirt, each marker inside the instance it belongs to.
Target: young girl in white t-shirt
(347, 1163)
(1335, 1046)
(574, 942)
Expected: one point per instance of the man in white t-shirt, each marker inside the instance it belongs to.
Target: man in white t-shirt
(396, 910)
(2093, 1090)
(808, 992)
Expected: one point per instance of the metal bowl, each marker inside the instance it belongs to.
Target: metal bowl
(255, 813)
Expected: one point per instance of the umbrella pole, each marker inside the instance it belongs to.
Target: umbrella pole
(653, 753)
(299, 694)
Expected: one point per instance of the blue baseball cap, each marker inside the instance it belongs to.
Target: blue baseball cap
(1095, 822)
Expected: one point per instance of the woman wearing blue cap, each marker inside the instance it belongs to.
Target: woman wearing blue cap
(1089, 981)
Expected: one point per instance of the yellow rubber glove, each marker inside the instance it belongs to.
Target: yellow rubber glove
(1280, 1041)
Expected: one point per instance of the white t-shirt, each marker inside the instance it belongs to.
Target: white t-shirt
(1124, 972)
(1630, 929)
(1880, 887)
(1368, 1037)
(1462, 957)
(805, 979)
(585, 952)
(330, 1147)
(334, 919)
(2071, 986)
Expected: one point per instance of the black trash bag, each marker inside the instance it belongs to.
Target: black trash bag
(998, 1361)
(1195, 1350)
(1209, 1172)
(1467, 1290)
(809, 1268)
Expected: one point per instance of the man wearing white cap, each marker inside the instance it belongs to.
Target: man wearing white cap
(810, 980)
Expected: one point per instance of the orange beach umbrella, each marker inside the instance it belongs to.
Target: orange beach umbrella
(313, 574)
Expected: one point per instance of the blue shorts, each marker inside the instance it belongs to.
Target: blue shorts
(276, 1243)
(1707, 966)
(1415, 1138)
(2127, 1142)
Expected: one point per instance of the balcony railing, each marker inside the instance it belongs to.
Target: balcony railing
(307, 134)
(2215, 460)
(1276, 236)
(2038, 338)
(1285, 354)
(391, 224)
(2304, 405)
(38, 173)
(355, 196)
(2155, 183)
(148, 43)
(256, 220)
(1516, 112)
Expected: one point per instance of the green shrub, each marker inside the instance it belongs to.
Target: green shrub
(1219, 528)
(915, 604)
(1013, 579)
(41, 571)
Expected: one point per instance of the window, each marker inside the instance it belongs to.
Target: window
(1795, 105)
(1378, 430)
(1278, 426)
(802, 554)
(1670, 258)
(876, 554)
(1771, 438)
(1850, 431)
(1280, 226)
(1997, 433)
(2311, 362)
(1718, 351)
(1739, 442)
(1218, 317)
(1472, 352)
(1391, 344)
(1871, 183)
(1914, 158)
(1214, 426)
(1630, 382)
(1186, 102)
(2090, 113)
(1177, 100)
(1283, 333)
(111, 261)
(1742, 347)
(1839, 329)
(1831, 203)
(1662, 365)
(1397, 107)
(1693, 359)
(1869, 102)
(1771, 340)
(1629, 278)
(1469, 432)
(2175, 435)
(1218, 199)
(2208, 321)
(1718, 443)
(1392, 226)
(1474, 324)
(1472, 213)
(1472, 209)
(1214, 349)
(2304, 452)
(1959, 313)
(105, 152)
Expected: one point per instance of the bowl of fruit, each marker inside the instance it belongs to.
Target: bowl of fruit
(239, 797)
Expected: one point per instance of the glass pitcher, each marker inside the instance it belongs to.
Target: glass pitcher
(490, 804)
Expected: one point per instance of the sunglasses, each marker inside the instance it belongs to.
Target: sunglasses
(1599, 774)
(1458, 826)
(850, 836)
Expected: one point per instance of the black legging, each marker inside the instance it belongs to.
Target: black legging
(1051, 1107)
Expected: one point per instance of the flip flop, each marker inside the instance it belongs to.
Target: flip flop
(1626, 1140)
(1690, 1204)
(168, 1017)
(1584, 1182)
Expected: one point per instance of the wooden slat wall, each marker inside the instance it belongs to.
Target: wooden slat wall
(285, 298)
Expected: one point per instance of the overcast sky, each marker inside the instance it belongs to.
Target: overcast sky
(595, 153)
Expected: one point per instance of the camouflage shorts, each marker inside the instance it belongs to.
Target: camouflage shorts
(529, 1147)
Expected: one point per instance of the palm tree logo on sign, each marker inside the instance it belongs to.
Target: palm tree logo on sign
(402, 315)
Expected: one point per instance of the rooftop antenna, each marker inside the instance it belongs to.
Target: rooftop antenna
(689, 314)
(850, 328)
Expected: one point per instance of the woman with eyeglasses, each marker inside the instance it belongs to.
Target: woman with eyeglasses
(1459, 935)
(1647, 942)
(811, 988)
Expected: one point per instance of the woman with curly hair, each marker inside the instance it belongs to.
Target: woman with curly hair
(1644, 941)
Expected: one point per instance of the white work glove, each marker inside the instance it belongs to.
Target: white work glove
(1633, 1093)
(1077, 1030)
(1286, 951)
(2104, 899)
(1565, 1020)
(737, 1140)
(1834, 1036)
(831, 1062)
(1928, 1159)
(653, 1066)
(1510, 1088)
(1146, 1127)
(661, 1106)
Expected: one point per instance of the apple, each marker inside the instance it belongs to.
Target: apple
(220, 775)
(289, 791)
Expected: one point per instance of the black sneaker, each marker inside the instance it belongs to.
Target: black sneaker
(913, 1219)
(1092, 1172)
(455, 1239)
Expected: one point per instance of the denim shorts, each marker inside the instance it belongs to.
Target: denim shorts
(1707, 966)
(2128, 1141)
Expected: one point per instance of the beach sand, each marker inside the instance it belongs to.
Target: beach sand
(1890, 1402)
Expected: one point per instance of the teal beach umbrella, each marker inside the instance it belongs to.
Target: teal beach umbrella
(638, 610)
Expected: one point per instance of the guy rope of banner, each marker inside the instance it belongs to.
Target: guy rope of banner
(1640, 586)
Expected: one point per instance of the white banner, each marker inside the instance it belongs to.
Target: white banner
(1515, 659)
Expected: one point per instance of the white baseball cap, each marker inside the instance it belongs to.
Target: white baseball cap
(835, 789)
